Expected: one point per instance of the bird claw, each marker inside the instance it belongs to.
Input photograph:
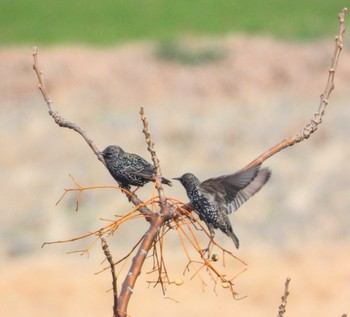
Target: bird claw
(206, 250)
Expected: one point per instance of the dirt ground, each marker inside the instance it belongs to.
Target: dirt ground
(210, 119)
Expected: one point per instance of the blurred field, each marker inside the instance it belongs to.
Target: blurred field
(90, 21)
(62, 286)
(210, 119)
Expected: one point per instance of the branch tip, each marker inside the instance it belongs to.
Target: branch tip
(282, 307)
(310, 127)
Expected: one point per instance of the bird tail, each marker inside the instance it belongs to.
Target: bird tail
(232, 235)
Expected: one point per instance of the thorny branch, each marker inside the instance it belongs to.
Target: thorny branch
(282, 308)
(311, 127)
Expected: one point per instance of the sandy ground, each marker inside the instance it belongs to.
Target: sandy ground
(210, 119)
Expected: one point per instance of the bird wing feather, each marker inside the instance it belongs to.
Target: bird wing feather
(145, 169)
(229, 192)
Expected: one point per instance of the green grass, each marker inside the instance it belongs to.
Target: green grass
(112, 21)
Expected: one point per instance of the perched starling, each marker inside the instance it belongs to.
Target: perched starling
(129, 169)
(216, 198)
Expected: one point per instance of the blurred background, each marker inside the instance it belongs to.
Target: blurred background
(221, 82)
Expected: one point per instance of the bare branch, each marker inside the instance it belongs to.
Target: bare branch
(109, 228)
(159, 264)
(138, 260)
(80, 189)
(282, 308)
(155, 159)
(114, 277)
(62, 122)
(205, 263)
(124, 257)
(311, 127)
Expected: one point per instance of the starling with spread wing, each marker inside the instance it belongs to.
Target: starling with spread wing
(216, 198)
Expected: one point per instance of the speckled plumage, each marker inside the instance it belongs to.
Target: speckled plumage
(215, 198)
(129, 169)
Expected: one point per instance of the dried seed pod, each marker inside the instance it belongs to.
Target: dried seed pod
(215, 257)
(179, 281)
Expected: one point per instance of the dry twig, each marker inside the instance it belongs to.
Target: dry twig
(282, 308)
(62, 122)
(151, 149)
(109, 258)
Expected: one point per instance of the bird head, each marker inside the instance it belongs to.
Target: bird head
(188, 180)
(112, 152)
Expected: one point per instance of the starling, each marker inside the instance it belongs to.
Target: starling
(129, 169)
(216, 198)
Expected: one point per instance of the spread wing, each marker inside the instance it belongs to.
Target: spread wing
(229, 192)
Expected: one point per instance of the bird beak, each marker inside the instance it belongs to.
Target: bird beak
(177, 178)
(101, 153)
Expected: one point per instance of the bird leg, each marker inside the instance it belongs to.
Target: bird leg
(169, 225)
(128, 191)
(212, 235)
(207, 249)
(136, 189)
(131, 193)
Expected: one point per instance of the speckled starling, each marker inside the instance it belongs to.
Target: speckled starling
(129, 169)
(216, 198)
